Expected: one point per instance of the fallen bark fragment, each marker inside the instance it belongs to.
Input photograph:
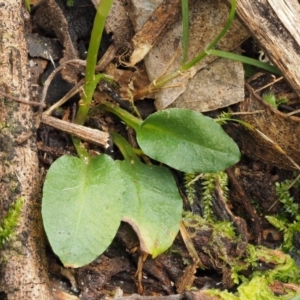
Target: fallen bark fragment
(275, 135)
(157, 24)
(275, 25)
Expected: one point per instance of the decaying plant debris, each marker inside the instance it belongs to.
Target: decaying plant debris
(273, 141)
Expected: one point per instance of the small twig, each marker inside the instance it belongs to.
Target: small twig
(20, 100)
(269, 84)
(247, 112)
(51, 76)
(85, 133)
(190, 246)
(65, 98)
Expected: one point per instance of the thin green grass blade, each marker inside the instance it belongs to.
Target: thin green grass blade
(198, 58)
(185, 29)
(245, 60)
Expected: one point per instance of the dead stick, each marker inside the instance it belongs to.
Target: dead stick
(85, 133)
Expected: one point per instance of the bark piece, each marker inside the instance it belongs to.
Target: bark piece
(95, 275)
(156, 25)
(254, 219)
(275, 25)
(275, 138)
(22, 267)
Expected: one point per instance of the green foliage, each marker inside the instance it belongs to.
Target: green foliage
(189, 184)
(288, 229)
(187, 141)
(93, 197)
(255, 289)
(85, 198)
(82, 207)
(152, 204)
(255, 286)
(245, 60)
(249, 70)
(282, 191)
(296, 297)
(182, 139)
(221, 229)
(70, 3)
(289, 221)
(208, 184)
(271, 99)
(285, 269)
(10, 221)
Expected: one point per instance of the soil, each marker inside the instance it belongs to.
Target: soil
(251, 189)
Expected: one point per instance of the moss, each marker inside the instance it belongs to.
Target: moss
(70, 3)
(10, 221)
(255, 289)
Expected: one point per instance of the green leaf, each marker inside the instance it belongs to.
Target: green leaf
(152, 206)
(82, 207)
(187, 141)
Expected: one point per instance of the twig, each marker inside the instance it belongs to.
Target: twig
(65, 98)
(85, 133)
(51, 76)
(20, 100)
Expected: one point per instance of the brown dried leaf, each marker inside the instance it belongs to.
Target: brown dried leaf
(216, 86)
(68, 25)
(206, 21)
(127, 79)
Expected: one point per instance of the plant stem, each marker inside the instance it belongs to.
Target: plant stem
(91, 79)
(90, 84)
(245, 124)
(194, 61)
(80, 149)
(126, 150)
(185, 29)
(127, 117)
(161, 81)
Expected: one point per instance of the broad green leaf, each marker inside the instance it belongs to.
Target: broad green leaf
(153, 206)
(82, 207)
(187, 141)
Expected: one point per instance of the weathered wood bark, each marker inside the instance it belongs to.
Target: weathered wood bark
(22, 271)
(275, 24)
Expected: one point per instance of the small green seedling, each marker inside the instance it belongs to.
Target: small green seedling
(85, 198)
